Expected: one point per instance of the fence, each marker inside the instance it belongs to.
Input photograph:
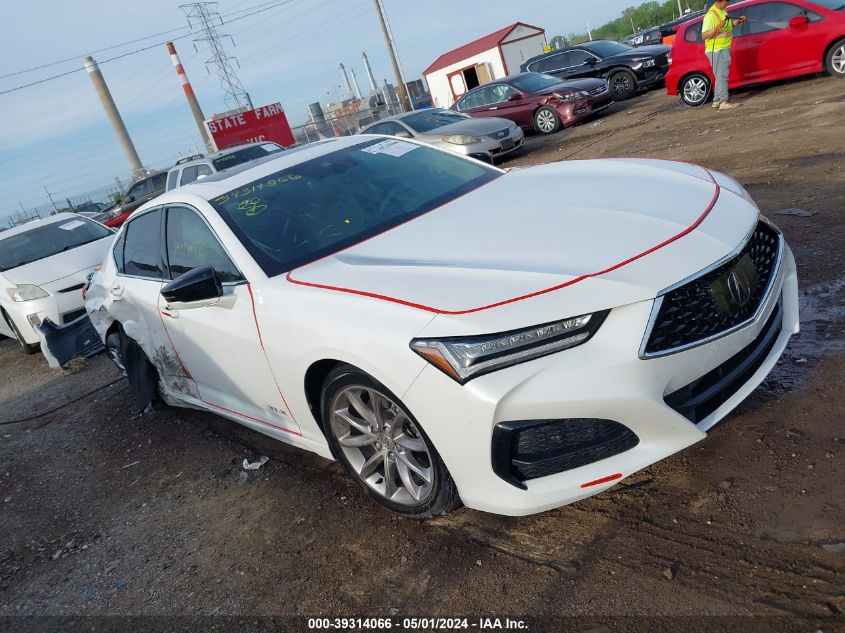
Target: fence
(342, 124)
(88, 201)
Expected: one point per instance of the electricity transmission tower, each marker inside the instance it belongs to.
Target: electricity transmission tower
(206, 17)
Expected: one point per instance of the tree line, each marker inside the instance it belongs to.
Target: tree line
(632, 20)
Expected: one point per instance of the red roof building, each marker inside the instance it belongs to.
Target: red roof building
(480, 61)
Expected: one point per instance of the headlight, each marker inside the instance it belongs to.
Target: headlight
(461, 139)
(571, 96)
(464, 358)
(648, 63)
(26, 292)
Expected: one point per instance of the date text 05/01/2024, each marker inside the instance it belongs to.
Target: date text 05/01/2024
(412, 624)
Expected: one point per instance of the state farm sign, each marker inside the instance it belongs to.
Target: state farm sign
(267, 123)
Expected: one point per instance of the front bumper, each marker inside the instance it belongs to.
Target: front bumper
(492, 147)
(650, 77)
(603, 379)
(576, 111)
(60, 308)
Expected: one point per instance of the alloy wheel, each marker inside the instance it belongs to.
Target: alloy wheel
(383, 445)
(621, 84)
(695, 90)
(546, 121)
(838, 60)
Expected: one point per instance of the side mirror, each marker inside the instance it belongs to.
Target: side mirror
(403, 134)
(798, 22)
(196, 288)
(515, 97)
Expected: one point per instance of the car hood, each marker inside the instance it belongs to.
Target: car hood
(62, 265)
(611, 232)
(573, 84)
(479, 126)
(654, 50)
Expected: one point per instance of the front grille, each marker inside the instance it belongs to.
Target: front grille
(529, 449)
(72, 316)
(73, 288)
(500, 134)
(600, 90)
(703, 396)
(708, 305)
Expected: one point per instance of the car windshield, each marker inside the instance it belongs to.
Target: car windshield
(46, 240)
(334, 201)
(244, 155)
(605, 48)
(428, 120)
(534, 82)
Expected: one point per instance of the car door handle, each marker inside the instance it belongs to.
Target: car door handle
(170, 312)
(493, 108)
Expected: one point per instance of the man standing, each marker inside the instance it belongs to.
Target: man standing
(717, 30)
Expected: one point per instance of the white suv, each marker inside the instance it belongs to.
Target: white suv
(192, 168)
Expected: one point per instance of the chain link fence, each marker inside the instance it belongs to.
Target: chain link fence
(91, 201)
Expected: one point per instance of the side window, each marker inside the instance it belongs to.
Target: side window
(551, 63)
(139, 189)
(172, 179)
(578, 58)
(478, 99)
(142, 250)
(693, 34)
(190, 244)
(192, 172)
(394, 128)
(158, 182)
(500, 93)
(118, 252)
(770, 16)
(378, 128)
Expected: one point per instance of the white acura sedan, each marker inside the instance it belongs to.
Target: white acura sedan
(43, 267)
(449, 331)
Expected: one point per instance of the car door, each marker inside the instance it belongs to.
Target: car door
(581, 64)
(509, 103)
(777, 48)
(219, 344)
(135, 295)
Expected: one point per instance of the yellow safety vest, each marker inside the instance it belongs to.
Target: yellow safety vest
(724, 37)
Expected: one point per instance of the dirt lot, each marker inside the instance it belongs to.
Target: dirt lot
(104, 511)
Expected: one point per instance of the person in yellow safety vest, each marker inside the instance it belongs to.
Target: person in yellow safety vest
(717, 30)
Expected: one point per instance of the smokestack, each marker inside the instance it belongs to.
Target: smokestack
(114, 116)
(190, 96)
(355, 83)
(370, 76)
(345, 78)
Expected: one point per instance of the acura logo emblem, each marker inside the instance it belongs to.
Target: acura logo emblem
(739, 287)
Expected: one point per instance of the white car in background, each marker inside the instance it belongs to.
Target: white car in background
(452, 332)
(43, 268)
(192, 168)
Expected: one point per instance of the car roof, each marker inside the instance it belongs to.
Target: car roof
(223, 181)
(223, 152)
(23, 228)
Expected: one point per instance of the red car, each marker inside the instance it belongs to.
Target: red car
(537, 101)
(779, 40)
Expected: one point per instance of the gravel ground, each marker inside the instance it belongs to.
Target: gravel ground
(107, 512)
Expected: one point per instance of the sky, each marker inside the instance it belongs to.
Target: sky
(56, 135)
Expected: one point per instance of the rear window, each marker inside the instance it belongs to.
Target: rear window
(334, 201)
(244, 155)
(47, 240)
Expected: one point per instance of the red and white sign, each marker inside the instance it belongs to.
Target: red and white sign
(267, 123)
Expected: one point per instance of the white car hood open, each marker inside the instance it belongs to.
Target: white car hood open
(548, 227)
(61, 265)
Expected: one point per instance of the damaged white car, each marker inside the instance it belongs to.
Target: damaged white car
(450, 331)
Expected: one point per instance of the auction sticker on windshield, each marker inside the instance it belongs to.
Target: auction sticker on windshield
(73, 224)
(391, 148)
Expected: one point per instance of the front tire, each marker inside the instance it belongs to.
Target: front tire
(383, 448)
(623, 85)
(546, 120)
(695, 90)
(835, 60)
(28, 349)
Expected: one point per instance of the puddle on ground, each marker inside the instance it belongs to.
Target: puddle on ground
(822, 309)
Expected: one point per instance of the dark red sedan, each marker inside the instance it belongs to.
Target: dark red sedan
(779, 40)
(537, 101)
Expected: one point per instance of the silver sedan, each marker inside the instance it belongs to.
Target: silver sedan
(485, 139)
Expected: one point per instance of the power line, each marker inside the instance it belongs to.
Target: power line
(144, 48)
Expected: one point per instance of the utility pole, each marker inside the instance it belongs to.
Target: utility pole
(680, 9)
(199, 117)
(589, 31)
(51, 199)
(206, 16)
(114, 116)
(401, 88)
